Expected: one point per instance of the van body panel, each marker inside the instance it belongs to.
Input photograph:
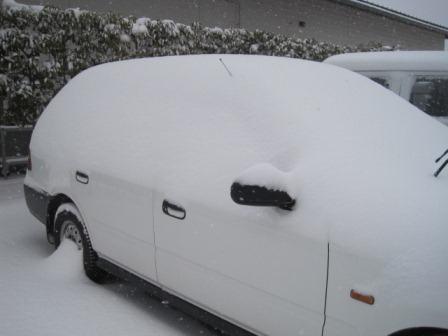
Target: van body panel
(399, 71)
(426, 61)
(358, 160)
(375, 278)
(121, 221)
(261, 271)
(37, 202)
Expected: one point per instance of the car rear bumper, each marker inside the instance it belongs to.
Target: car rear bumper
(37, 202)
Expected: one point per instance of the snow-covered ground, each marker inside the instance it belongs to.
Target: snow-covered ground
(45, 292)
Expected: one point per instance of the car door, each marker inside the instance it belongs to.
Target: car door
(119, 218)
(254, 266)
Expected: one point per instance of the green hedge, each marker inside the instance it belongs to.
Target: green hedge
(41, 50)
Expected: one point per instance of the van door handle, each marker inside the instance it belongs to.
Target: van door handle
(173, 210)
(82, 177)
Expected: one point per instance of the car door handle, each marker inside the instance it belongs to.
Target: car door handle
(82, 177)
(173, 210)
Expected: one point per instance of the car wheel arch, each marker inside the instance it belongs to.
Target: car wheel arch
(55, 202)
(421, 331)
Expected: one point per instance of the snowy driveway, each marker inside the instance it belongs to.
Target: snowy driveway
(43, 292)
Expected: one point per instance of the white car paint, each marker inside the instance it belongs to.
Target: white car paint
(184, 128)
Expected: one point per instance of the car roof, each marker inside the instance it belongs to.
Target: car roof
(392, 61)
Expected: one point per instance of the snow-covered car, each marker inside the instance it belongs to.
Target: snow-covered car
(285, 197)
(421, 77)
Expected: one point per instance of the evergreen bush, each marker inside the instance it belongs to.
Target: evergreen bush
(40, 51)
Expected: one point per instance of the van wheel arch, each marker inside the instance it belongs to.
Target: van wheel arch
(422, 331)
(53, 205)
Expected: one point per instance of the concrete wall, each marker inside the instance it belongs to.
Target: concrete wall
(324, 20)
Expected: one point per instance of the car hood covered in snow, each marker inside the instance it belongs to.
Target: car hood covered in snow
(359, 159)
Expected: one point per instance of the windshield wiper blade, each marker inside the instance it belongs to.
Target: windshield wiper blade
(441, 156)
(444, 164)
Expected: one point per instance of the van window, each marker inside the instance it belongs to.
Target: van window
(430, 94)
(381, 80)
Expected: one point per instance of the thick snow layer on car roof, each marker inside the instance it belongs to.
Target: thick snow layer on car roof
(355, 154)
(392, 61)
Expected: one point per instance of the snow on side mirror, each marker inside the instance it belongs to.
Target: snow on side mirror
(262, 185)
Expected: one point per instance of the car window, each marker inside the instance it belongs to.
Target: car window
(430, 94)
(382, 81)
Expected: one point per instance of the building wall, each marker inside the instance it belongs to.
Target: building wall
(324, 20)
(330, 21)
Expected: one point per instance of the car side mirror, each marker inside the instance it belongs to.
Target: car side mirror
(261, 196)
(246, 190)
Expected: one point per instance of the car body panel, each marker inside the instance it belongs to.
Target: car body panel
(272, 277)
(391, 283)
(121, 221)
(359, 162)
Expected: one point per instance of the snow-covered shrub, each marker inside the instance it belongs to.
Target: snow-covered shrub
(42, 49)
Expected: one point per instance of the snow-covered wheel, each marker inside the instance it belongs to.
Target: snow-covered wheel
(68, 224)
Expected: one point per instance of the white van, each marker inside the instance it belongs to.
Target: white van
(269, 192)
(420, 77)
